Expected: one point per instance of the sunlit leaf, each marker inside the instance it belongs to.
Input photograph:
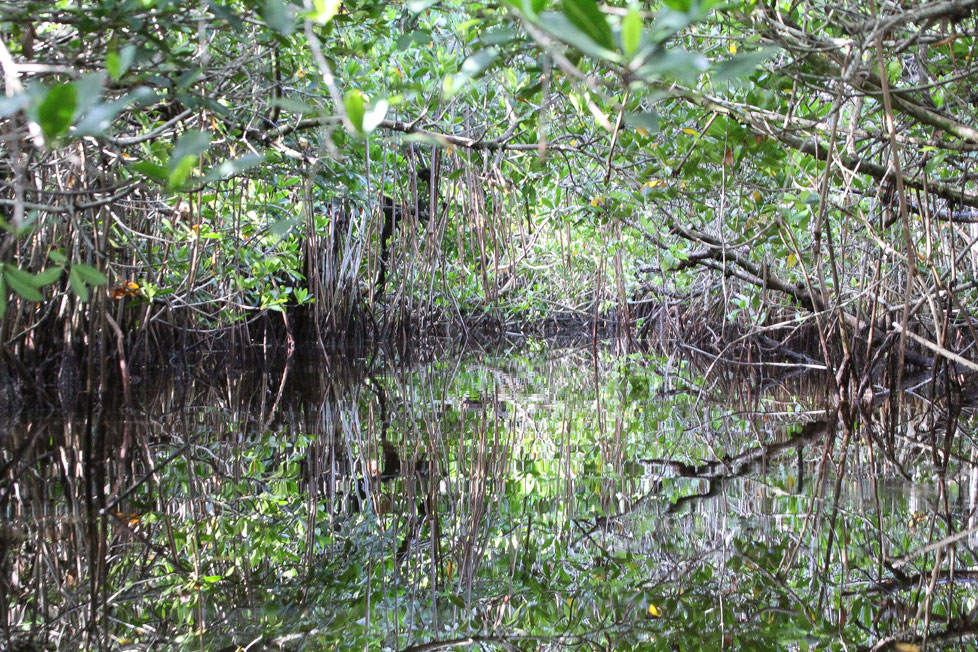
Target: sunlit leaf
(631, 32)
(178, 176)
(353, 103)
(324, 10)
(152, 170)
(374, 115)
(419, 5)
(193, 143)
(57, 110)
(118, 62)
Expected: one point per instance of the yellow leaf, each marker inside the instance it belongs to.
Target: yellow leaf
(642, 132)
(732, 47)
(574, 143)
(906, 647)
(654, 611)
(398, 73)
(654, 145)
(792, 260)
(757, 196)
(690, 132)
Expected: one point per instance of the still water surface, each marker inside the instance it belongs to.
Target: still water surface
(535, 499)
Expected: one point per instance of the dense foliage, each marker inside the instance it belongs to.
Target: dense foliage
(218, 161)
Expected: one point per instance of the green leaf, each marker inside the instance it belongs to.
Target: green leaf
(293, 106)
(89, 274)
(21, 276)
(647, 121)
(152, 170)
(193, 143)
(418, 6)
(585, 15)
(404, 41)
(99, 118)
(178, 177)
(77, 285)
(22, 283)
(278, 16)
(631, 32)
(3, 298)
(88, 91)
(280, 228)
(117, 63)
(56, 256)
(324, 10)
(57, 110)
(561, 27)
(741, 64)
(11, 105)
(478, 62)
(184, 158)
(233, 167)
(674, 64)
(48, 276)
(353, 103)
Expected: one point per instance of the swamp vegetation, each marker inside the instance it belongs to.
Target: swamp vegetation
(538, 324)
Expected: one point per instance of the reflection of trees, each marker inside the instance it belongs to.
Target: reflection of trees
(493, 498)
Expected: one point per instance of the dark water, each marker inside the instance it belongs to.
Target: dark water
(534, 499)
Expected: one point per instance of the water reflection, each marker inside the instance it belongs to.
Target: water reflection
(537, 499)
